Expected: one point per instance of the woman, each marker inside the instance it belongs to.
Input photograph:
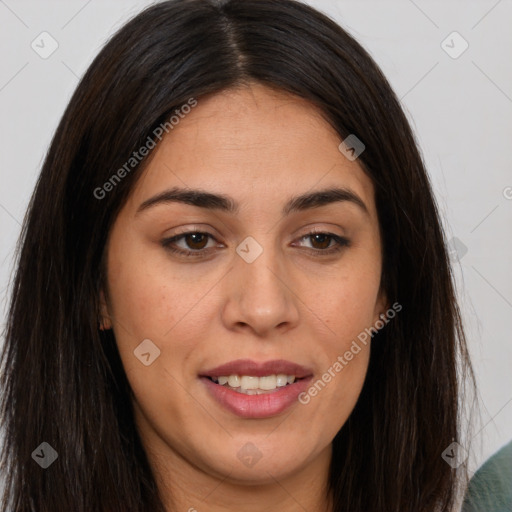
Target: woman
(233, 290)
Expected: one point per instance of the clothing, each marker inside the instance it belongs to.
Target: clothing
(490, 488)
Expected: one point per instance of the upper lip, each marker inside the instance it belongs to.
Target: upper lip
(253, 368)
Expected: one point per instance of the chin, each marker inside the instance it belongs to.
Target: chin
(252, 465)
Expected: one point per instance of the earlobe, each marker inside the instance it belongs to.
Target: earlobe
(104, 317)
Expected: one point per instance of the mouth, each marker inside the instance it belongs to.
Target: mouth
(252, 385)
(256, 390)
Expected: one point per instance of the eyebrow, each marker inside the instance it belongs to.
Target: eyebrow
(210, 201)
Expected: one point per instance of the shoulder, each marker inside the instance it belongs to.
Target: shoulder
(490, 489)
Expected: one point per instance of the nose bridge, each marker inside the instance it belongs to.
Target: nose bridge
(260, 296)
(258, 270)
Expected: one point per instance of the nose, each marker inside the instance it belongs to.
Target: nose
(260, 296)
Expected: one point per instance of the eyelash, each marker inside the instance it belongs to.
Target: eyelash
(202, 253)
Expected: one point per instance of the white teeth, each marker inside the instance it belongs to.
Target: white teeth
(234, 381)
(251, 391)
(250, 385)
(247, 382)
(281, 380)
(268, 383)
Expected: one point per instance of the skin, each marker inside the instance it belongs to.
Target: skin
(260, 147)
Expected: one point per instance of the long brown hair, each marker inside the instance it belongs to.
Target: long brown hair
(62, 379)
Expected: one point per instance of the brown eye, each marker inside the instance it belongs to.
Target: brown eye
(322, 244)
(195, 244)
(196, 241)
(323, 240)
(190, 244)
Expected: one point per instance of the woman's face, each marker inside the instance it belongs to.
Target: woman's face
(258, 286)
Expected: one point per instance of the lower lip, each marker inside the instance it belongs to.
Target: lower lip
(257, 406)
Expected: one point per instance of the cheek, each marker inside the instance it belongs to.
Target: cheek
(348, 310)
(150, 298)
(332, 396)
(348, 307)
(148, 304)
(152, 306)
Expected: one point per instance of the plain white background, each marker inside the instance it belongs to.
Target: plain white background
(459, 104)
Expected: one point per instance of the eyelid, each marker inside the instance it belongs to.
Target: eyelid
(341, 242)
(167, 242)
(195, 229)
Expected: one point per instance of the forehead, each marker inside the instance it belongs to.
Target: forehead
(252, 143)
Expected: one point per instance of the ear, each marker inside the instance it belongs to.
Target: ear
(104, 321)
(381, 306)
